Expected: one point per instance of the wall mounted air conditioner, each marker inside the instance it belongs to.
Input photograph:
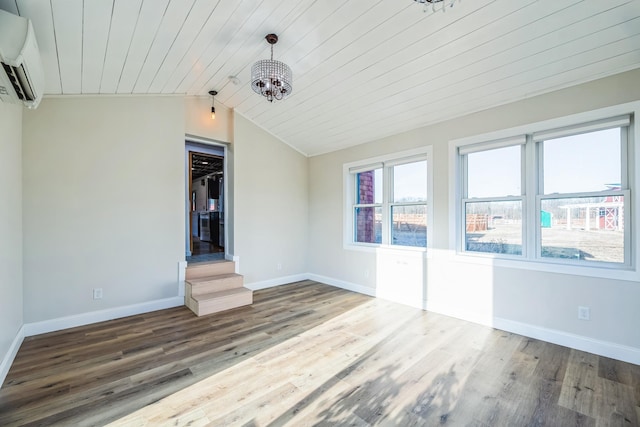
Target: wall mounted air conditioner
(21, 75)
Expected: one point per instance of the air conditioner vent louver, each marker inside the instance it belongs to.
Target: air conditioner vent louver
(13, 78)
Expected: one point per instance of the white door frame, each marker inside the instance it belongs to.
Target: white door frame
(199, 144)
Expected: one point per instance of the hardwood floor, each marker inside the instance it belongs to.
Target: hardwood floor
(311, 354)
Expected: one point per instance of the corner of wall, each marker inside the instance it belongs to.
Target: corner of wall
(270, 204)
(7, 360)
(11, 230)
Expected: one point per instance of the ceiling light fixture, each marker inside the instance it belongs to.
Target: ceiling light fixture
(213, 93)
(441, 4)
(269, 78)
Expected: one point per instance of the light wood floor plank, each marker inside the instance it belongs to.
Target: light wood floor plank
(311, 354)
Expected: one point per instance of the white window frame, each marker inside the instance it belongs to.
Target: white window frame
(386, 162)
(532, 259)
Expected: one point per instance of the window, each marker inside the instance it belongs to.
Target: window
(582, 197)
(559, 195)
(493, 203)
(409, 204)
(368, 207)
(388, 201)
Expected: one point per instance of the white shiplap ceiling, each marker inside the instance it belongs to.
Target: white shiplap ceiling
(363, 69)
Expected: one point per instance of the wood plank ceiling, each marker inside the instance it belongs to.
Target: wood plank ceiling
(363, 69)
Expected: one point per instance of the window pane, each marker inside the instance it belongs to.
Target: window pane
(586, 228)
(581, 163)
(409, 226)
(369, 187)
(368, 225)
(494, 173)
(410, 182)
(494, 227)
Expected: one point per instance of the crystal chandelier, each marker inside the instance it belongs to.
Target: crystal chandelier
(269, 78)
(436, 4)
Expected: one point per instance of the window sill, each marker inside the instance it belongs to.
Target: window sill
(604, 272)
(391, 249)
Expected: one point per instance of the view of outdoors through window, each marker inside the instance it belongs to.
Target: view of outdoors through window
(589, 228)
(585, 228)
(579, 226)
(494, 226)
(407, 204)
(368, 210)
(409, 208)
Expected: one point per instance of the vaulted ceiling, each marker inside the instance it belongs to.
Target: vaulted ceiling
(362, 69)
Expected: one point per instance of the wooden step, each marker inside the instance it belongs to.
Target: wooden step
(205, 285)
(196, 271)
(215, 302)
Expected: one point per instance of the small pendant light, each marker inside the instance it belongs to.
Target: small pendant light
(213, 93)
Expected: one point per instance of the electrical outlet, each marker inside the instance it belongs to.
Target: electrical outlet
(97, 293)
(584, 313)
(366, 273)
(279, 266)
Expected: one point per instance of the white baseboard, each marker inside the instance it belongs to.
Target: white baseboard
(578, 342)
(255, 286)
(343, 284)
(8, 359)
(60, 323)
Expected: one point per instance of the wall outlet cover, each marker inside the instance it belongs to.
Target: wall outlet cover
(584, 313)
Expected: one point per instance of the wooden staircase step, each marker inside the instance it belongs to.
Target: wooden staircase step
(213, 287)
(215, 302)
(196, 271)
(210, 284)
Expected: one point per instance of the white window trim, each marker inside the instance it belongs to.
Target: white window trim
(395, 159)
(630, 273)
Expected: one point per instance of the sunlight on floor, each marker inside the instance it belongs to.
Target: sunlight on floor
(298, 380)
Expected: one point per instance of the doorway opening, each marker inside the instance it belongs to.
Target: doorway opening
(206, 204)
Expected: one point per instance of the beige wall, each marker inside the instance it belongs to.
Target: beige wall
(88, 221)
(11, 317)
(198, 120)
(271, 204)
(477, 292)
